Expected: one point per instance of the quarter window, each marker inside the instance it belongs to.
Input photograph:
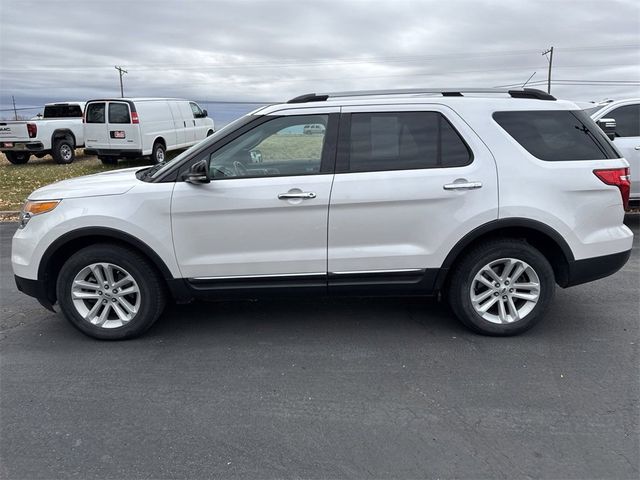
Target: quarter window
(278, 147)
(404, 141)
(627, 120)
(119, 113)
(556, 135)
(95, 113)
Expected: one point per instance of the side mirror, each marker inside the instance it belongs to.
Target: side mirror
(205, 113)
(256, 156)
(198, 173)
(608, 126)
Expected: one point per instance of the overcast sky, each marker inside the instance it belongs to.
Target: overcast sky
(273, 50)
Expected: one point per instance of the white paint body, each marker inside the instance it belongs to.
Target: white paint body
(171, 121)
(370, 221)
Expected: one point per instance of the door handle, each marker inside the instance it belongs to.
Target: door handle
(302, 195)
(185, 124)
(462, 186)
(194, 123)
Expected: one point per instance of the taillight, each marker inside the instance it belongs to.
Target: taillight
(134, 117)
(618, 177)
(32, 129)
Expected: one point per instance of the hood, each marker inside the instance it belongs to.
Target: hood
(114, 182)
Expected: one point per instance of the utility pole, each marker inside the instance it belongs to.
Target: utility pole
(15, 112)
(550, 59)
(121, 71)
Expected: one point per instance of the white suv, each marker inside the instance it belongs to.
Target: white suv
(488, 197)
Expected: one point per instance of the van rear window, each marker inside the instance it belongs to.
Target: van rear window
(557, 135)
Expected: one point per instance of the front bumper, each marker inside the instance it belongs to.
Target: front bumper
(589, 269)
(35, 288)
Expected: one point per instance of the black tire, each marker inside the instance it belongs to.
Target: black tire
(64, 151)
(462, 280)
(17, 158)
(158, 152)
(151, 297)
(108, 160)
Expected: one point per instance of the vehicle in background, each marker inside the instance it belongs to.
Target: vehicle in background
(59, 133)
(313, 128)
(135, 127)
(626, 136)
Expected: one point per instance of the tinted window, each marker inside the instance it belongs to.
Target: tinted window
(275, 148)
(62, 111)
(404, 141)
(627, 120)
(95, 113)
(119, 113)
(557, 134)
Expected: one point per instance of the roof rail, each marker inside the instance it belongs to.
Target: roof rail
(445, 92)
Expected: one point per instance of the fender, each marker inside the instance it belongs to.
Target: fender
(511, 222)
(63, 133)
(176, 286)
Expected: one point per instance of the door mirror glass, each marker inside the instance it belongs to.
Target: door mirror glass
(256, 156)
(608, 126)
(198, 173)
(205, 113)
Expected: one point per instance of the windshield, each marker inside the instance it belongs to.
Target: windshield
(159, 169)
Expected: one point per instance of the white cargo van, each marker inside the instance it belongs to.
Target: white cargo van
(134, 127)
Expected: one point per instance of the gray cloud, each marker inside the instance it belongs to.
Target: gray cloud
(273, 50)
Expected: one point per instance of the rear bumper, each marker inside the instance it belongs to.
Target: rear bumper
(589, 269)
(36, 289)
(22, 147)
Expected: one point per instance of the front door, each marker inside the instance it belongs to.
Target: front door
(627, 140)
(263, 217)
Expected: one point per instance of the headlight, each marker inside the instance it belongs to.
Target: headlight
(35, 207)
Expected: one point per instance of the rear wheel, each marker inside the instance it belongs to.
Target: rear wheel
(158, 152)
(63, 151)
(17, 158)
(110, 292)
(502, 287)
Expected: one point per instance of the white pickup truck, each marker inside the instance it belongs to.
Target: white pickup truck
(59, 132)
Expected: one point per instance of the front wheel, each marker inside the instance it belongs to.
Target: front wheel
(63, 151)
(110, 292)
(502, 287)
(17, 158)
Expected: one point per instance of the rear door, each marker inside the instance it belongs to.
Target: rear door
(123, 134)
(96, 134)
(410, 182)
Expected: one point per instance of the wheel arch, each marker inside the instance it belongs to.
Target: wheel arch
(63, 133)
(62, 248)
(539, 235)
(159, 139)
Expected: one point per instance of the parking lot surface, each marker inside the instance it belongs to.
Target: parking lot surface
(324, 388)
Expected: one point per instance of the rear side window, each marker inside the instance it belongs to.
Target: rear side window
(62, 111)
(557, 135)
(119, 113)
(627, 120)
(404, 141)
(95, 113)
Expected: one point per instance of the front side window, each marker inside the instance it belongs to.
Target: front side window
(119, 113)
(95, 113)
(404, 141)
(556, 135)
(278, 147)
(627, 120)
(197, 111)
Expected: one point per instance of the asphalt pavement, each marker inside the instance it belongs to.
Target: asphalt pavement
(324, 388)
